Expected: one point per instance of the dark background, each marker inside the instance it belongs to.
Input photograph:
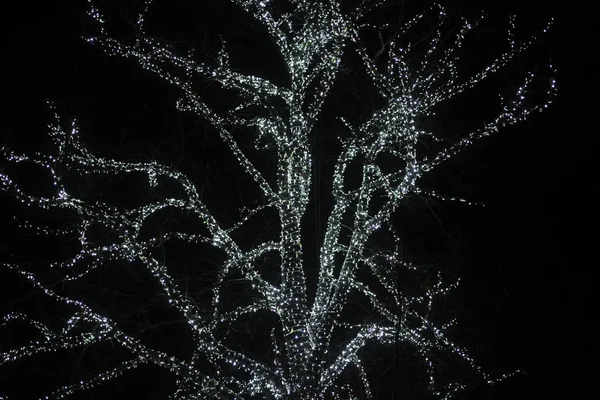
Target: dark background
(526, 259)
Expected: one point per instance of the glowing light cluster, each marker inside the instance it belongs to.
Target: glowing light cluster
(304, 366)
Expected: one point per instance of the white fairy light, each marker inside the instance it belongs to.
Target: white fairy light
(306, 365)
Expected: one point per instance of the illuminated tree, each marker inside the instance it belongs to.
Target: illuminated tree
(315, 350)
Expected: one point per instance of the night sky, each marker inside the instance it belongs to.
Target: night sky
(526, 259)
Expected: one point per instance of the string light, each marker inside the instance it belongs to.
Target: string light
(306, 365)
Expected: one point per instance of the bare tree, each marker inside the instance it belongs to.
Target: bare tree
(315, 350)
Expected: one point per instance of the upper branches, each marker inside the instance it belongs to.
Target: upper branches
(410, 85)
